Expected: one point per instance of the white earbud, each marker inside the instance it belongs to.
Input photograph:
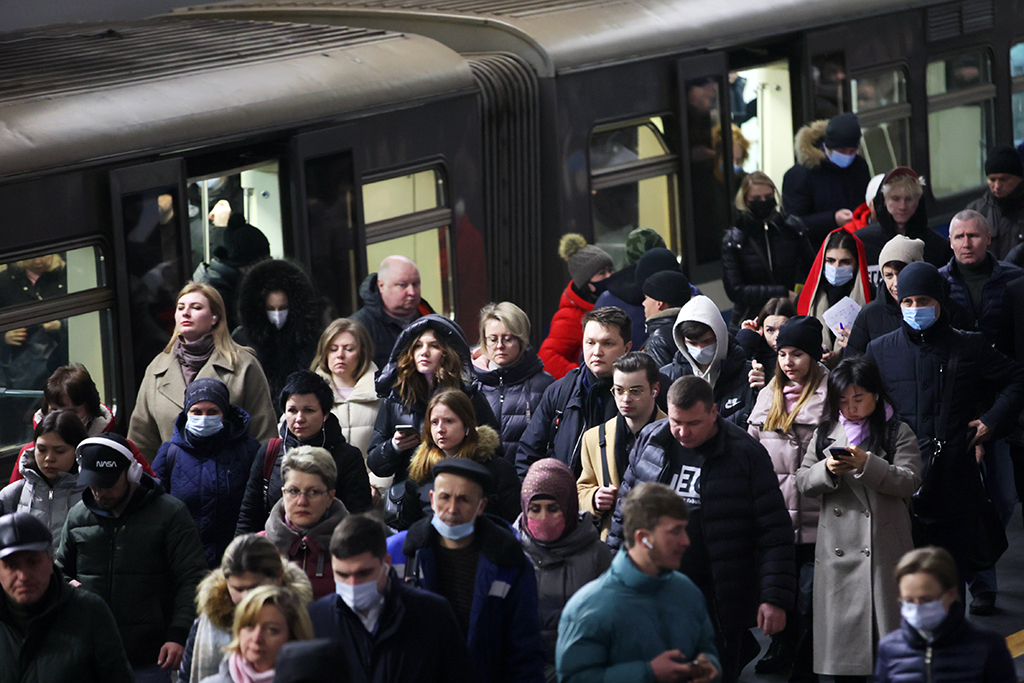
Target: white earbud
(647, 543)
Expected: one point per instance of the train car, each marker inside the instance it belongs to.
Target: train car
(634, 94)
(342, 145)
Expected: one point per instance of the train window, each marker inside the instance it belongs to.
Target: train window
(762, 120)
(884, 113)
(329, 206)
(828, 75)
(960, 120)
(407, 215)
(633, 182)
(1017, 72)
(711, 207)
(49, 276)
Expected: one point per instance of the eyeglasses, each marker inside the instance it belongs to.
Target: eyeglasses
(634, 392)
(505, 339)
(310, 494)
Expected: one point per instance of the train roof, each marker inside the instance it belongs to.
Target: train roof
(77, 93)
(561, 35)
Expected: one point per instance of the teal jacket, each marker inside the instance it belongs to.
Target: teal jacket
(614, 626)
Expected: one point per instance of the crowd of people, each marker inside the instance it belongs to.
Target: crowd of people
(380, 500)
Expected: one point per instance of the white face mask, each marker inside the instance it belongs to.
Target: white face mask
(204, 425)
(278, 317)
(702, 356)
(838, 276)
(360, 597)
(840, 160)
(926, 617)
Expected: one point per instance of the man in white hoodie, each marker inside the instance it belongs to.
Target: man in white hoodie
(706, 349)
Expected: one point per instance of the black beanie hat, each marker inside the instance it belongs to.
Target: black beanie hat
(668, 286)
(653, 261)
(843, 131)
(921, 279)
(802, 332)
(208, 389)
(243, 243)
(1004, 159)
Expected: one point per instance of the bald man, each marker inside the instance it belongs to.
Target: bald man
(391, 300)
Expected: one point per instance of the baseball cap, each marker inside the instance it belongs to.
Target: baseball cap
(102, 459)
(21, 531)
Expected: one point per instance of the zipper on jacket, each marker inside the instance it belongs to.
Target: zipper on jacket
(501, 396)
(768, 248)
(928, 664)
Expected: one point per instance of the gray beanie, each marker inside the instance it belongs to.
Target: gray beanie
(584, 260)
(903, 249)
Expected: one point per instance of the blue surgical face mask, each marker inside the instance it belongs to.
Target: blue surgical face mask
(360, 597)
(840, 160)
(919, 318)
(926, 617)
(204, 425)
(838, 276)
(453, 533)
(278, 318)
(702, 356)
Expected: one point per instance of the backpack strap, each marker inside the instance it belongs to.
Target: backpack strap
(411, 575)
(269, 460)
(172, 456)
(603, 442)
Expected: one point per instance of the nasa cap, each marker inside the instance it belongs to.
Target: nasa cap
(102, 459)
(21, 531)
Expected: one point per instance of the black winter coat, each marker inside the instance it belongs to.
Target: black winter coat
(417, 639)
(756, 348)
(383, 329)
(814, 193)
(960, 653)
(352, 489)
(882, 316)
(660, 344)
(732, 390)
(514, 394)
(762, 260)
(622, 290)
(747, 530)
(280, 352)
(1005, 219)
(382, 458)
(988, 315)
(875, 235)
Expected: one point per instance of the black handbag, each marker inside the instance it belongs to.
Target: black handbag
(393, 503)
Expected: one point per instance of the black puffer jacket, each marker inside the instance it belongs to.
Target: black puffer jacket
(875, 235)
(744, 521)
(882, 316)
(280, 352)
(989, 312)
(660, 344)
(762, 260)
(352, 489)
(514, 394)
(382, 458)
(383, 329)
(733, 395)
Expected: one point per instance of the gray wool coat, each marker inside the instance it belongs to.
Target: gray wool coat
(863, 531)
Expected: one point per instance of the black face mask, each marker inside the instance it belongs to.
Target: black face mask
(762, 208)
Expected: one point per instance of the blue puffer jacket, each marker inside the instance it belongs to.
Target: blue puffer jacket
(504, 633)
(209, 475)
(989, 312)
(745, 525)
(960, 653)
(514, 394)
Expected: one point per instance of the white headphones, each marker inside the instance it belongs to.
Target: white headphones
(647, 542)
(134, 468)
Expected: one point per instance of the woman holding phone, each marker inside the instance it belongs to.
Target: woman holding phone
(865, 465)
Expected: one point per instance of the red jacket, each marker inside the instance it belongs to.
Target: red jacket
(861, 217)
(561, 350)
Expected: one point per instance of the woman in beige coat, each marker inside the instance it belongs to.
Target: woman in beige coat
(865, 465)
(200, 347)
(344, 357)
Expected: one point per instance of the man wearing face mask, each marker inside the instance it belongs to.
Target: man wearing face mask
(480, 567)
(829, 178)
(707, 350)
(956, 392)
(385, 628)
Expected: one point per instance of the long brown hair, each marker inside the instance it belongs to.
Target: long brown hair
(222, 340)
(411, 386)
(428, 454)
(778, 419)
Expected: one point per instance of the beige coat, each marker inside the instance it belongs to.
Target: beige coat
(161, 397)
(591, 478)
(358, 414)
(863, 531)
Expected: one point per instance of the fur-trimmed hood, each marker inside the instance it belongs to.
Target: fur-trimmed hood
(303, 323)
(214, 601)
(487, 445)
(446, 330)
(809, 144)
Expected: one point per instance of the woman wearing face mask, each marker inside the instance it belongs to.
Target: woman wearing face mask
(865, 465)
(757, 338)
(451, 431)
(934, 641)
(306, 401)
(783, 421)
(301, 523)
(265, 620)
(838, 271)
(511, 374)
(564, 546)
(206, 463)
(48, 487)
(280, 319)
(430, 355)
(249, 562)
(766, 253)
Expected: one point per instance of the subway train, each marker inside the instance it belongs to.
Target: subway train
(467, 134)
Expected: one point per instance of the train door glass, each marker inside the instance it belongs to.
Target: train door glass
(710, 195)
(254, 193)
(829, 82)
(633, 183)
(1017, 73)
(961, 96)
(762, 121)
(408, 215)
(329, 215)
(884, 113)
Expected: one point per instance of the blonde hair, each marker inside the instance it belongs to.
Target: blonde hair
(749, 180)
(915, 185)
(311, 460)
(428, 454)
(778, 419)
(222, 340)
(358, 332)
(509, 315)
(285, 600)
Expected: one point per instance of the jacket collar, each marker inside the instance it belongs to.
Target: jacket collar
(625, 572)
(496, 542)
(528, 365)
